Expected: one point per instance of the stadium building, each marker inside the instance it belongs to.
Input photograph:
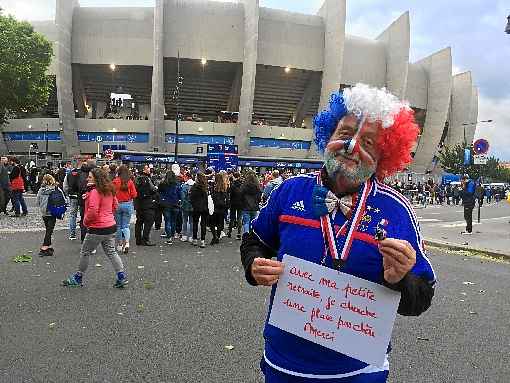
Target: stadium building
(250, 76)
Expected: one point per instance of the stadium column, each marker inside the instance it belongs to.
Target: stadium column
(438, 67)
(64, 74)
(397, 40)
(157, 132)
(251, 37)
(333, 14)
(462, 94)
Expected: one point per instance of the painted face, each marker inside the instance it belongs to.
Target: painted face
(357, 166)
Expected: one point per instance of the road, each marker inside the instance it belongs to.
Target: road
(184, 306)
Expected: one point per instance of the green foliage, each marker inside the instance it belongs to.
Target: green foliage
(452, 161)
(25, 56)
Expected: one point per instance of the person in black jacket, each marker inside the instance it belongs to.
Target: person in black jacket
(236, 205)
(145, 205)
(72, 189)
(252, 194)
(220, 199)
(198, 199)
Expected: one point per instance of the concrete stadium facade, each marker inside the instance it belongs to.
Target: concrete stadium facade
(275, 67)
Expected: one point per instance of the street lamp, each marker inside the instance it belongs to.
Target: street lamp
(112, 67)
(203, 61)
(472, 123)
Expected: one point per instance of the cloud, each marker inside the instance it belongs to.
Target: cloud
(496, 133)
(29, 9)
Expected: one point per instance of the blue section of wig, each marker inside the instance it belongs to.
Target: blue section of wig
(326, 121)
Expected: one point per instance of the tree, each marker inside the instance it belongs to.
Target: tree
(452, 161)
(25, 56)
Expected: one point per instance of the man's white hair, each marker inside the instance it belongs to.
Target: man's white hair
(373, 104)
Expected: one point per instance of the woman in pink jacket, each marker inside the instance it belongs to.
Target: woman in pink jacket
(100, 206)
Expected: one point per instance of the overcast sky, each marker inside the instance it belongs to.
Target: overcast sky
(473, 28)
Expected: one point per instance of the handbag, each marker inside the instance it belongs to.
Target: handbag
(210, 204)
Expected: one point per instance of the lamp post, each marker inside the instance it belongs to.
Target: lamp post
(176, 98)
(47, 142)
(472, 123)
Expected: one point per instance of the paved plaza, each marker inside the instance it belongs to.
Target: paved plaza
(189, 316)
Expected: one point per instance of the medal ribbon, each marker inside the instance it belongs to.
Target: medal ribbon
(353, 221)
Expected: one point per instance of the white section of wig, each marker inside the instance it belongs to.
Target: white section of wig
(374, 104)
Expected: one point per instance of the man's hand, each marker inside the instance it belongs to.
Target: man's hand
(399, 258)
(266, 272)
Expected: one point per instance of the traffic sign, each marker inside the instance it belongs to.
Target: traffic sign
(480, 159)
(481, 146)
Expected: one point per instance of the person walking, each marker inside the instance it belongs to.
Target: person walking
(252, 195)
(187, 211)
(48, 185)
(236, 205)
(100, 205)
(198, 198)
(125, 191)
(17, 189)
(169, 199)
(145, 206)
(72, 190)
(468, 201)
(220, 200)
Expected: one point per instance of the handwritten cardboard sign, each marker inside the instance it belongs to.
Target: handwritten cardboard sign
(336, 310)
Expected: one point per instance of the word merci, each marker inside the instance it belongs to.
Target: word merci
(339, 311)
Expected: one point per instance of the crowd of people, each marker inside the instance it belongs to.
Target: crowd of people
(182, 203)
(433, 193)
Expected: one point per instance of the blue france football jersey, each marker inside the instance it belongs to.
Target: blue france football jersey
(287, 225)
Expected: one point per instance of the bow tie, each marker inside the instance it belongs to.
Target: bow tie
(324, 201)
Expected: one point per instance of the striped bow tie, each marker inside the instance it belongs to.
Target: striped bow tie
(324, 201)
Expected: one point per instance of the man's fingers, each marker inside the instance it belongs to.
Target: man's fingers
(395, 256)
(267, 262)
(267, 280)
(267, 270)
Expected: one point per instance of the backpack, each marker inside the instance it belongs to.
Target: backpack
(57, 204)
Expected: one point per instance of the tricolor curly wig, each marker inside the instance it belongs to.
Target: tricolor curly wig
(399, 129)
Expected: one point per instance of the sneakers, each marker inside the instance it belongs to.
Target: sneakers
(163, 235)
(190, 240)
(169, 241)
(222, 234)
(184, 238)
(46, 253)
(121, 281)
(177, 236)
(125, 250)
(238, 237)
(202, 244)
(195, 242)
(466, 233)
(74, 280)
(72, 237)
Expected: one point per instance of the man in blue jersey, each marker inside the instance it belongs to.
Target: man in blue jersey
(343, 217)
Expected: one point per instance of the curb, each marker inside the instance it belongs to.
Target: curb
(454, 246)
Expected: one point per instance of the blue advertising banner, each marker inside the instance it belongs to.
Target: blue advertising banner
(467, 157)
(279, 143)
(222, 157)
(113, 137)
(199, 139)
(31, 136)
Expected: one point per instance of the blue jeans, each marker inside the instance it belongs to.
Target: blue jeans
(122, 219)
(187, 223)
(248, 216)
(73, 213)
(19, 202)
(170, 215)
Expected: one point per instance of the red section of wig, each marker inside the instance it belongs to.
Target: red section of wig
(396, 143)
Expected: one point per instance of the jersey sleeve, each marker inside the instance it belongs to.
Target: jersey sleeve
(409, 230)
(266, 225)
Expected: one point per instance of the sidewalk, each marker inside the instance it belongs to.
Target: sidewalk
(491, 236)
